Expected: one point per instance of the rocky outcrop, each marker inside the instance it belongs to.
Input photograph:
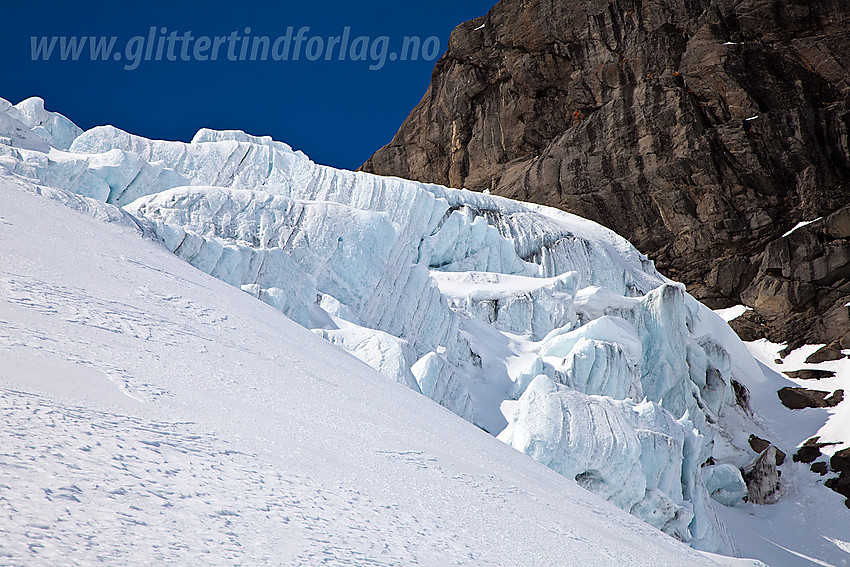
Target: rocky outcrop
(809, 374)
(800, 398)
(840, 463)
(802, 281)
(759, 445)
(703, 131)
(819, 468)
(841, 485)
(810, 450)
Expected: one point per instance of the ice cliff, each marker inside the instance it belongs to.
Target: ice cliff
(543, 328)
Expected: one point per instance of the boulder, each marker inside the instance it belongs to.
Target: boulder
(825, 354)
(800, 398)
(809, 374)
(759, 445)
(819, 468)
(841, 485)
(840, 461)
(762, 478)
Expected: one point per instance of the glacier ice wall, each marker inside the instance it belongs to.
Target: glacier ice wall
(545, 329)
(55, 129)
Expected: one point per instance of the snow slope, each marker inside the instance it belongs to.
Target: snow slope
(540, 327)
(152, 413)
(810, 524)
(264, 218)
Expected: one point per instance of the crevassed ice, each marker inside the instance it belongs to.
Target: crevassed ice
(621, 379)
(52, 127)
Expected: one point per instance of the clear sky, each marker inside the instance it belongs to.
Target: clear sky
(338, 112)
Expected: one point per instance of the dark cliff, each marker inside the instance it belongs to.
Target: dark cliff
(702, 130)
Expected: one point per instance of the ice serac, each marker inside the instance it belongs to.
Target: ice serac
(439, 381)
(385, 353)
(301, 255)
(606, 371)
(724, 483)
(636, 455)
(15, 134)
(514, 304)
(56, 129)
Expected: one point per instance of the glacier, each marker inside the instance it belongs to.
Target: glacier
(544, 329)
(155, 415)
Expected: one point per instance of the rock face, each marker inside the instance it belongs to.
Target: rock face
(702, 130)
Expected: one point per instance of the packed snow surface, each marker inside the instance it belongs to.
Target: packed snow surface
(539, 327)
(810, 524)
(152, 414)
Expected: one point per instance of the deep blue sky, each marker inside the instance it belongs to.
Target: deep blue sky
(338, 112)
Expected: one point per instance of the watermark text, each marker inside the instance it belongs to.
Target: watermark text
(161, 44)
